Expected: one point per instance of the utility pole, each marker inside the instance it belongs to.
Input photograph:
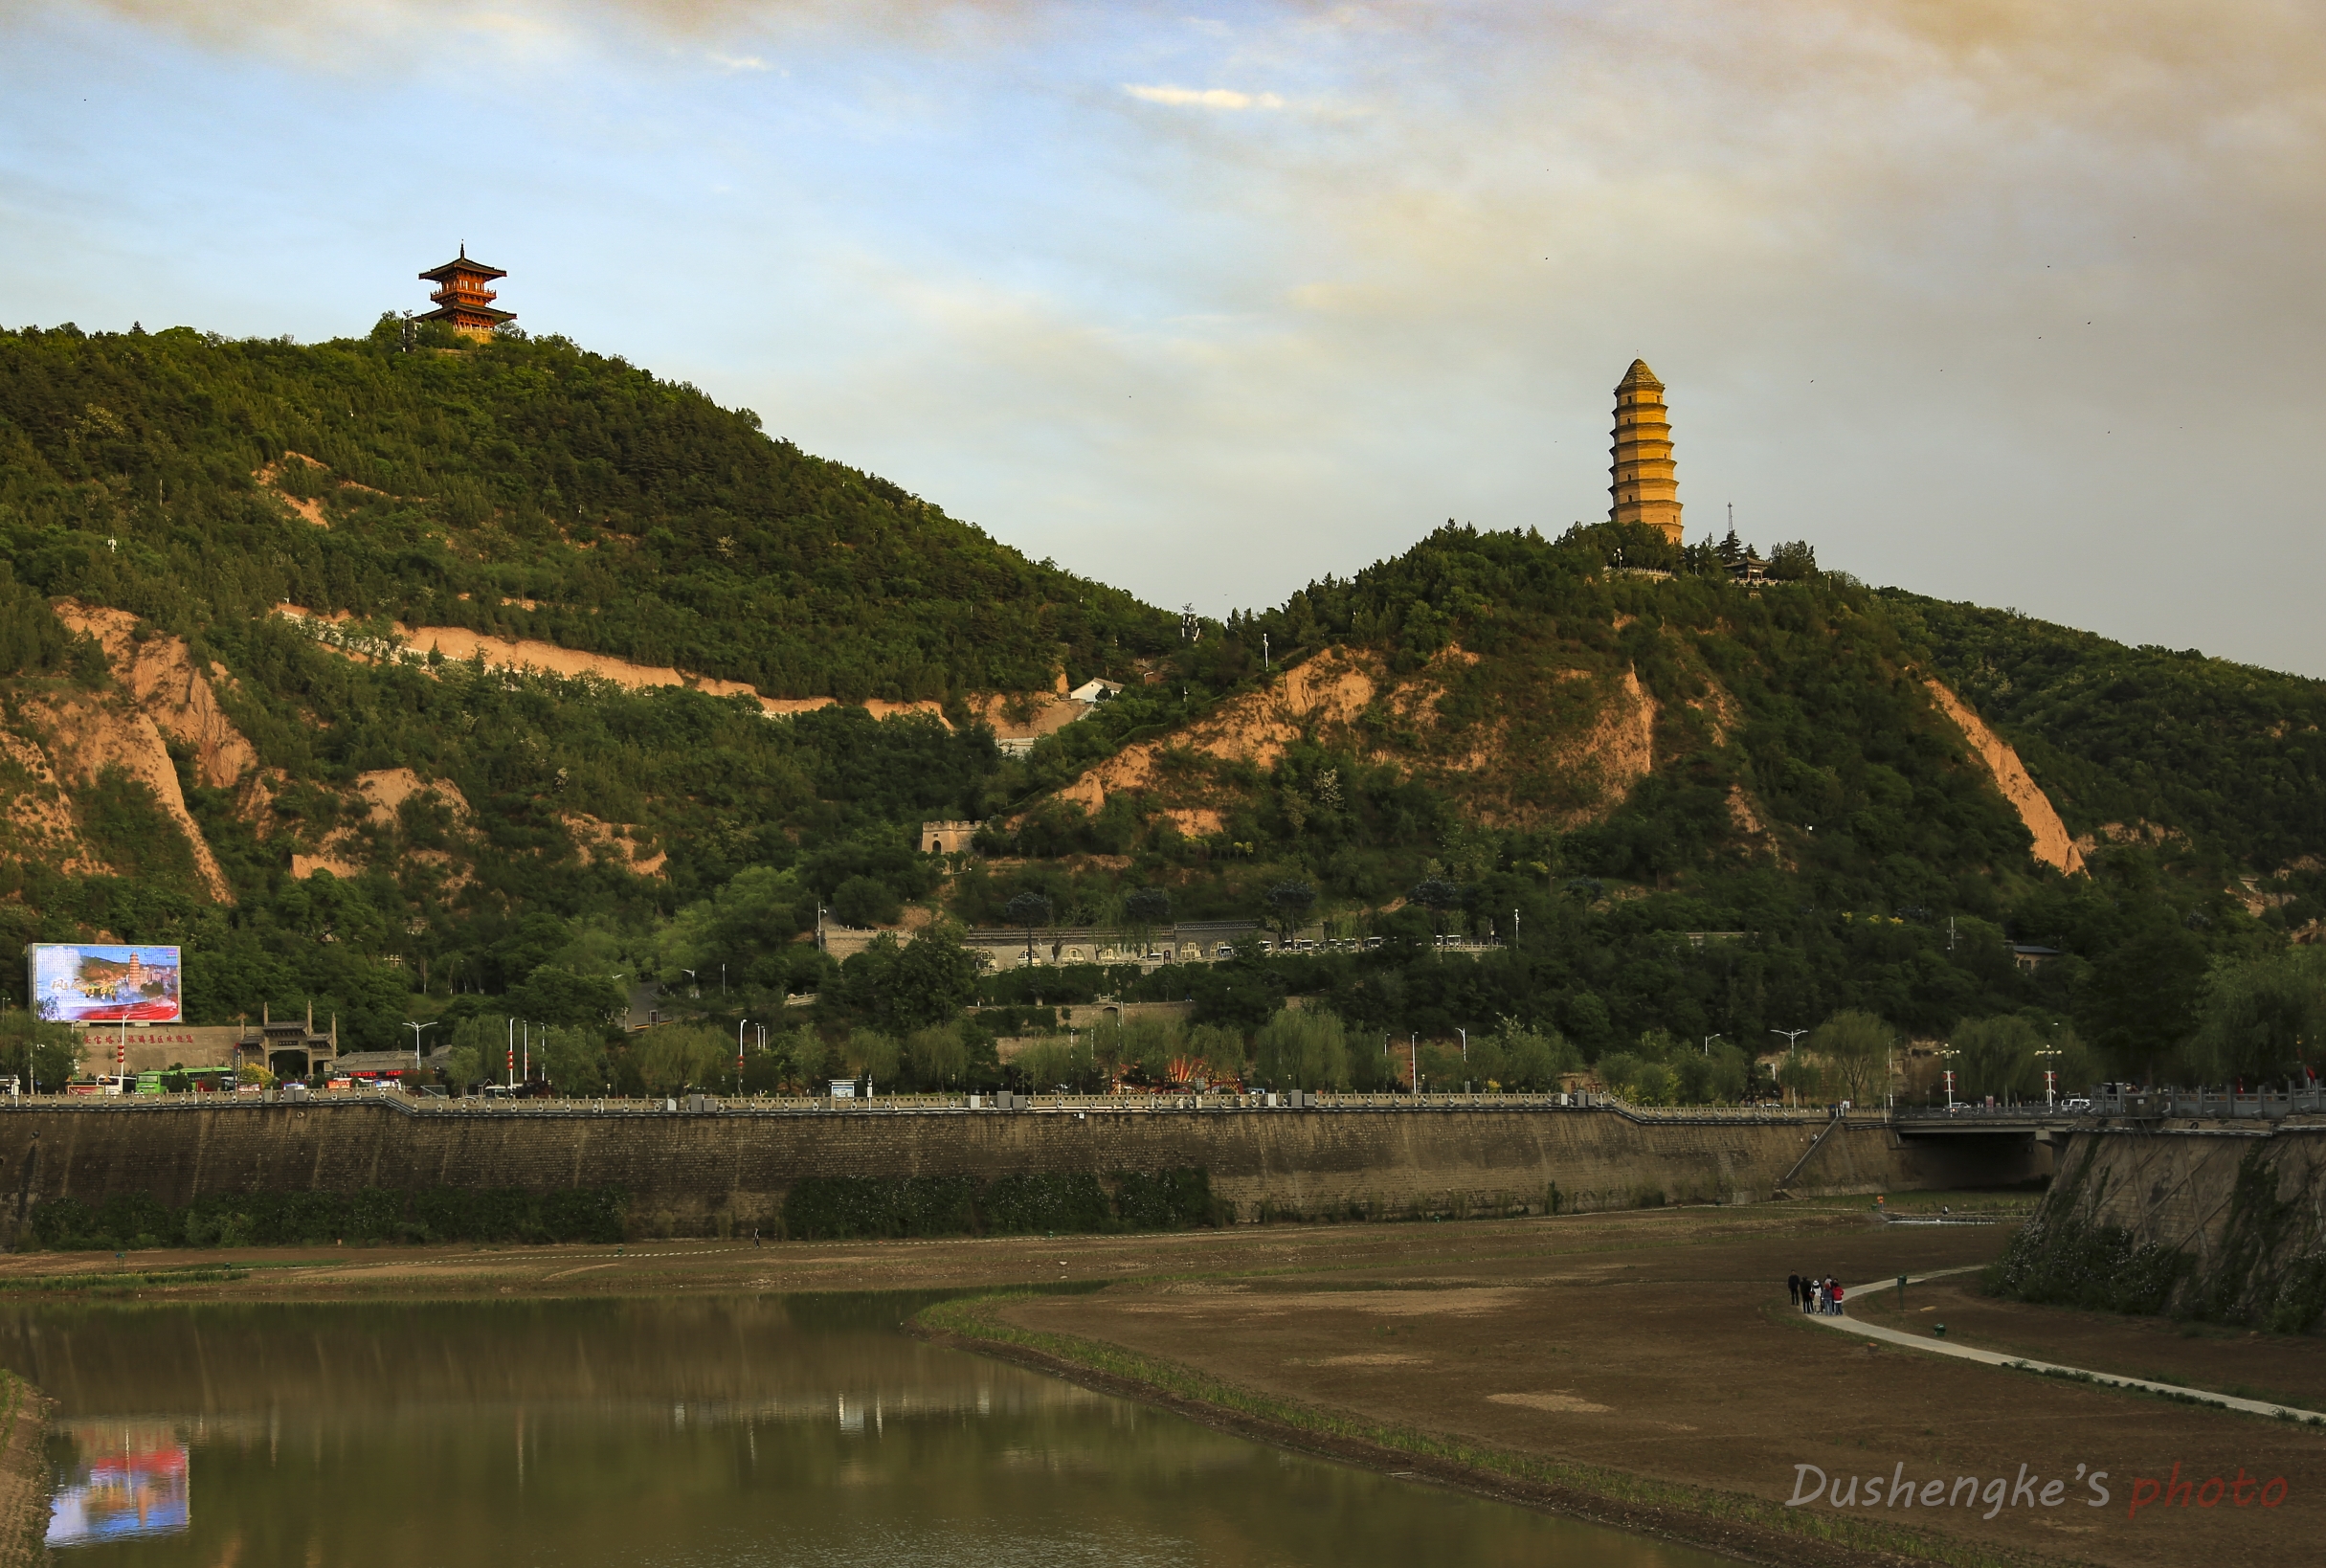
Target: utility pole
(1413, 1061)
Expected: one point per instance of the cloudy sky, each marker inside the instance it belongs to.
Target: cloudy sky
(2011, 300)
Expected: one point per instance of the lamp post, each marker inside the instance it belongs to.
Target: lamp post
(739, 1023)
(415, 1029)
(1790, 1036)
(1948, 1053)
(2050, 1076)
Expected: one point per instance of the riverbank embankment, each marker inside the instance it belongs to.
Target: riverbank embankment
(712, 1170)
(25, 1482)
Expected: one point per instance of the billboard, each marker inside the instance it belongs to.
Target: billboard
(97, 982)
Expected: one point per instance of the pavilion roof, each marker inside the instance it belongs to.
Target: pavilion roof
(474, 269)
(457, 309)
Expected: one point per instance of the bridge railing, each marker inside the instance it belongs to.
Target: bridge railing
(2268, 1105)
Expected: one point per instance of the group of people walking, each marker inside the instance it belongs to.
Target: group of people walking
(1815, 1296)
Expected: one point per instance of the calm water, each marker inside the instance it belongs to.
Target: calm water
(691, 1435)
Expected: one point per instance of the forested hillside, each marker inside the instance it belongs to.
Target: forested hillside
(1686, 812)
(524, 487)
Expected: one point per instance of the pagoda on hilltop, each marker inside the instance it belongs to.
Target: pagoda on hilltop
(463, 301)
(1644, 482)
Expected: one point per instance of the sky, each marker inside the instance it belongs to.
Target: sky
(2008, 301)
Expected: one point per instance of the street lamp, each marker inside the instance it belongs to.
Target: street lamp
(1792, 1035)
(415, 1029)
(1948, 1053)
(2051, 1076)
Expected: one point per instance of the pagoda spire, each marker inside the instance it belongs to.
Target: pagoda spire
(1642, 479)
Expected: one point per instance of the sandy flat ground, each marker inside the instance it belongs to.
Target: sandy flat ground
(1660, 1344)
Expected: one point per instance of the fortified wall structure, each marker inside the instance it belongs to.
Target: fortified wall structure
(703, 1171)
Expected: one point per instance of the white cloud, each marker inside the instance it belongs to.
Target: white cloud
(1204, 97)
(737, 62)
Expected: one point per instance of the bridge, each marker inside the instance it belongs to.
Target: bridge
(2111, 1104)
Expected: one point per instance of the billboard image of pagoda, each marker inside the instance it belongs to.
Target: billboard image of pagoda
(88, 982)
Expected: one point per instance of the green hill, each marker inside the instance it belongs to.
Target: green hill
(1709, 810)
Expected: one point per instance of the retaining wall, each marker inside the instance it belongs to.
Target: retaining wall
(2244, 1204)
(704, 1171)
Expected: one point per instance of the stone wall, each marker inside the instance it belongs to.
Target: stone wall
(696, 1172)
(2241, 1204)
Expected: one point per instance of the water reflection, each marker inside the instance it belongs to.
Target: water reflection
(129, 1479)
(685, 1434)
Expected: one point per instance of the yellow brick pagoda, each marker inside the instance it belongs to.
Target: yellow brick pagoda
(1644, 485)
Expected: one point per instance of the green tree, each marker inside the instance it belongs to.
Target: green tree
(937, 1055)
(42, 1055)
(573, 1059)
(1302, 1049)
(1290, 904)
(1144, 910)
(1535, 1060)
(557, 995)
(1219, 1049)
(2139, 1004)
(2261, 1019)
(1801, 1074)
(1997, 1055)
(670, 1057)
(867, 901)
(1028, 913)
(1440, 897)
(1855, 1047)
(873, 1054)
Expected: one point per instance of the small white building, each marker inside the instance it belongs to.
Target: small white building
(1095, 690)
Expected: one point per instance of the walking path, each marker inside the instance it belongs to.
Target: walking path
(1995, 1358)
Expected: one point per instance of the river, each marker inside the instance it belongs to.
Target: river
(709, 1434)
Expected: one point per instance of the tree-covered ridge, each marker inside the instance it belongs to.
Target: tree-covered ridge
(461, 485)
(1790, 726)
(2230, 756)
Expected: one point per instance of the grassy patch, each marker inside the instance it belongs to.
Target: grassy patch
(118, 1282)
